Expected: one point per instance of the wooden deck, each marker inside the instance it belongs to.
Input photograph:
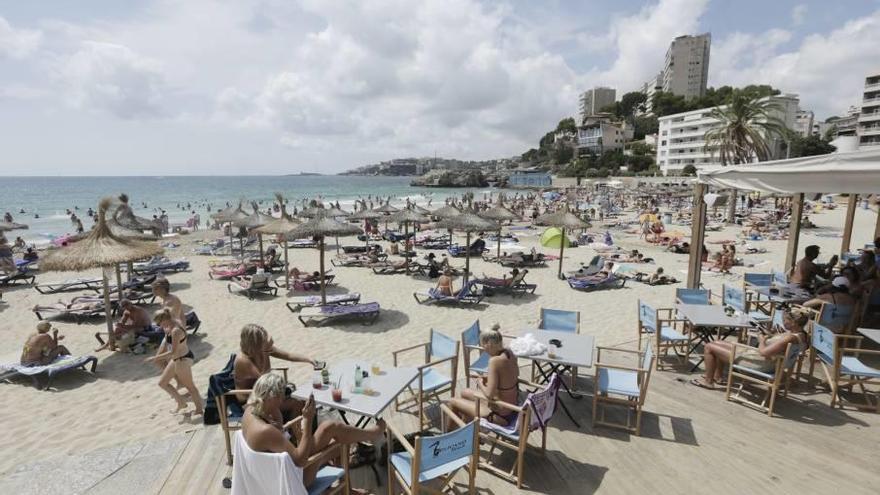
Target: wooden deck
(692, 441)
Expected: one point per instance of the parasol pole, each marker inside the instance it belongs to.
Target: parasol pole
(111, 338)
(467, 258)
(119, 282)
(262, 261)
(286, 265)
(405, 252)
(129, 269)
(498, 255)
(561, 250)
(323, 287)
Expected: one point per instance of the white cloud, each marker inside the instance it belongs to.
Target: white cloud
(17, 43)
(798, 14)
(113, 78)
(827, 70)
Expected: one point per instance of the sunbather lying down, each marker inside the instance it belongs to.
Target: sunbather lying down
(599, 276)
(77, 304)
(504, 281)
(295, 273)
(659, 278)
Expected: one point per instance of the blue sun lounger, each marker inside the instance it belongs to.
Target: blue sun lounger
(610, 282)
(467, 295)
(60, 365)
(321, 314)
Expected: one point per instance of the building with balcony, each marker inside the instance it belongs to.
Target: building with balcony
(594, 100)
(650, 87)
(599, 134)
(529, 177)
(869, 116)
(681, 139)
(803, 122)
(686, 70)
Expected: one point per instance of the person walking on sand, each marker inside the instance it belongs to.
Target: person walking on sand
(180, 360)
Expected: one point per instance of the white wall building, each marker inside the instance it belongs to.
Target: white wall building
(686, 70)
(594, 100)
(650, 87)
(803, 122)
(681, 136)
(599, 135)
(869, 117)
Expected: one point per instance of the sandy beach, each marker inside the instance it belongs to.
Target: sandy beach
(122, 402)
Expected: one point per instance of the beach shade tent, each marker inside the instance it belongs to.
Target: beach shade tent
(445, 212)
(499, 214)
(562, 219)
(321, 227)
(100, 249)
(280, 226)
(366, 215)
(467, 223)
(851, 172)
(406, 217)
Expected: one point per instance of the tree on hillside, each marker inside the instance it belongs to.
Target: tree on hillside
(664, 103)
(809, 146)
(567, 125)
(645, 125)
(689, 170)
(630, 102)
(744, 131)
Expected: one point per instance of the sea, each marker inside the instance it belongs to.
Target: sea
(42, 202)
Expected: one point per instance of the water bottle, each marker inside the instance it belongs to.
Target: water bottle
(358, 377)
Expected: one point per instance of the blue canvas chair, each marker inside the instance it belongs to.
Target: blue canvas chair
(757, 279)
(736, 298)
(771, 382)
(438, 457)
(250, 468)
(560, 320)
(839, 318)
(838, 355)
(470, 342)
(535, 413)
(669, 335)
(693, 296)
(779, 277)
(625, 386)
(754, 300)
(431, 382)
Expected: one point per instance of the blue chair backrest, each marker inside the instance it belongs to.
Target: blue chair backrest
(778, 320)
(835, 316)
(779, 277)
(823, 341)
(758, 279)
(794, 351)
(448, 447)
(647, 316)
(559, 320)
(733, 297)
(441, 345)
(648, 356)
(471, 336)
(692, 296)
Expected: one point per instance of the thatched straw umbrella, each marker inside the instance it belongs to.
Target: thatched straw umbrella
(234, 216)
(254, 220)
(386, 210)
(419, 209)
(125, 216)
(331, 212)
(467, 222)
(322, 227)
(562, 219)
(100, 248)
(498, 214)
(281, 226)
(366, 215)
(407, 217)
(119, 229)
(444, 212)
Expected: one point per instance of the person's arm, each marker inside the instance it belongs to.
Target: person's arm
(290, 356)
(815, 303)
(301, 453)
(175, 342)
(490, 386)
(775, 348)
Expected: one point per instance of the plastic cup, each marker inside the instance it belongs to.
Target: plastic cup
(375, 369)
(337, 394)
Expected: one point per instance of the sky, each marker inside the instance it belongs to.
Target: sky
(233, 87)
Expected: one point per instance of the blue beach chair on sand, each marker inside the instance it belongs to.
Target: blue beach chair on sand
(560, 320)
(467, 295)
(668, 337)
(431, 383)
(624, 386)
(692, 296)
(470, 341)
(839, 357)
(736, 298)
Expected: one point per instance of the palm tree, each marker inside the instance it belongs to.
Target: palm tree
(745, 129)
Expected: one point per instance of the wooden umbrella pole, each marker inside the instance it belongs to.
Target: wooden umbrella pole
(561, 250)
(262, 261)
(119, 282)
(323, 286)
(129, 270)
(109, 317)
(467, 258)
(286, 266)
(405, 252)
(498, 254)
(337, 245)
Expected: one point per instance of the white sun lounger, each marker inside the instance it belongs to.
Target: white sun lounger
(297, 303)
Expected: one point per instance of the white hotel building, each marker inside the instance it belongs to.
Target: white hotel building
(680, 139)
(869, 117)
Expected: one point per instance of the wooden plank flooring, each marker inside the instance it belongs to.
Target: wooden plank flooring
(692, 441)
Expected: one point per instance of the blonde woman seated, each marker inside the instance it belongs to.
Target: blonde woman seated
(500, 383)
(254, 361)
(179, 359)
(264, 430)
(717, 354)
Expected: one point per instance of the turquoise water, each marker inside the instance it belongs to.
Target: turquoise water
(50, 197)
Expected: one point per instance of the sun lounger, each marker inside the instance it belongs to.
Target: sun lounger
(160, 266)
(321, 314)
(519, 260)
(516, 287)
(610, 282)
(456, 251)
(65, 310)
(297, 303)
(225, 273)
(302, 243)
(255, 284)
(390, 269)
(136, 284)
(467, 295)
(61, 364)
(303, 285)
(70, 284)
(210, 249)
(356, 261)
(20, 276)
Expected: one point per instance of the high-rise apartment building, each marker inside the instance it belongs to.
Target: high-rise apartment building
(869, 117)
(648, 89)
(687, 66)
(803, 122)
(594, 100)
(681, 140)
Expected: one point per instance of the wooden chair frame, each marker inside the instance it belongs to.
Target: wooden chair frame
(658, 343)
(415, 451)
(466, 355)
(225, 424)
(781, 379)
(418, 396)
(633, 404)
(835, 381)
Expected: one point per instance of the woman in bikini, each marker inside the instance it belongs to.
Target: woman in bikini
(501, 383)
(444, 283)
(179, 360)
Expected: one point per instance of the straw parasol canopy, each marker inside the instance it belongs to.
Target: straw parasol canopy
(386, 208)
(280, 226)
(498, 214)
(419, 209)
(562, 219)
(100, 249)
(446, 212)
(466, 222)
(406, 217)
(366, 215)
(321, 227)
(125, 217)
(254, 220)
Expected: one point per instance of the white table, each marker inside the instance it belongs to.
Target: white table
(871, 333)
(386, 387)
(705, 317)
(787, 294)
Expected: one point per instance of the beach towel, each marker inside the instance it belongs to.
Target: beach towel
(59, 365)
